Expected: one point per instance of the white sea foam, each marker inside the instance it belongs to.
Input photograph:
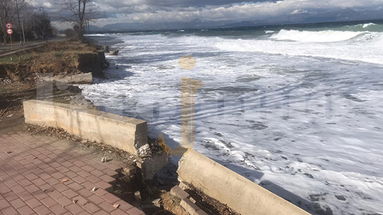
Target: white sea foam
(366, 47)
(315, 36)
(95, 35)
(368, 25)
(306, 128)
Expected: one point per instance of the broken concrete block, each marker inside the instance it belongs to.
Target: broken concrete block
(191, 208)
(151, 165)
(178, 192)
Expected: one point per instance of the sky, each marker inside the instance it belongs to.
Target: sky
(181, 14)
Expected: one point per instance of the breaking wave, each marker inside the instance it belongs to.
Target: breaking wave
(315, 36)
(342, 45)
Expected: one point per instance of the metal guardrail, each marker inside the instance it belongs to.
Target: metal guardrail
(21, 49)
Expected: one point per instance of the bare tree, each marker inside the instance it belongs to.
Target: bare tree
(41, 26)
(81, 15)
(28, 22)
(6, 15)
(20, 5)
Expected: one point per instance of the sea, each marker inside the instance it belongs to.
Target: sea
(296, 109)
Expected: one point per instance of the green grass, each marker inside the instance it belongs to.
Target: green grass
(15, 59)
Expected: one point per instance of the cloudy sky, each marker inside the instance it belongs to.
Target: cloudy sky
(163, 14)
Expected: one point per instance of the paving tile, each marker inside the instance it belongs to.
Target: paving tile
(31, 181)
(42, 210)
(58, 209)
(18, 203)
(49, 202)
(74, 209)
(75, 186)
(25, 195)
(110, 198)
(60, 187)
(69, 193)
(79, 200)
(118, 212)
(91, 208)
(101, 213)
(25, 210)
(33, 203)
(135, 211)
(107, 207)
(64, 201)
(4, 204)
(96, 199)
(85, 193)
(9, 211)
(32, 188)
(10, 196)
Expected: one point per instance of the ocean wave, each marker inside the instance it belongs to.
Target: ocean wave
(364, 48)
(315, 36)
(95, 35)
(368, 25)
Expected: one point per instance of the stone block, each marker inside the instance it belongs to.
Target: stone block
(230, 188)
(125, 133)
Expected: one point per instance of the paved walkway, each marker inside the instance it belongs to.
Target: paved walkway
(44, 175)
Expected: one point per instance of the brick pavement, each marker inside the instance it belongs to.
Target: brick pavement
(45, 175)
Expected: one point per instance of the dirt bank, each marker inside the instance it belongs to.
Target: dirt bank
(20, 74)
(55, 58)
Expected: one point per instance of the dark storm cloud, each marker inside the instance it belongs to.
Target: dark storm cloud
(148, 14)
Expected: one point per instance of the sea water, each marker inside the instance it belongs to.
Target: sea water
(297, 109)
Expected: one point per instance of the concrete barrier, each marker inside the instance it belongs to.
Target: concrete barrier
(83, 78)
(230, 188)
(125, 133)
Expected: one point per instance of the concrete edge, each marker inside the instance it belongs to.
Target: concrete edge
(230, 188)
(82, 78)
(125, 133)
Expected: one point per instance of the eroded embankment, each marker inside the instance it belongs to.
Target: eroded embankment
(47, 72)
(56, 58)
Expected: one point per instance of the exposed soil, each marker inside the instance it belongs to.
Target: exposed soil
(207, 204)
(19, 74)
(210, 205)
(55, 58)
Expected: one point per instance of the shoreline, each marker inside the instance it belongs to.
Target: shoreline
(14, 92)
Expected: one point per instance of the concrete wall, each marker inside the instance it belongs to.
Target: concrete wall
(124, 133)
(228, 187)
(83, 78)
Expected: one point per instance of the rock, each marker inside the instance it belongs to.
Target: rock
(183, 186)
(145, 151)
(151, 165)
(115, 52)
(157, 203)
(106, 49)
(178, 192)
(191, 208)
(137, 195)
(65, 180)
(309, 175)
(61, 80)
(129, 170)
(105, 159)
(340, 197)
